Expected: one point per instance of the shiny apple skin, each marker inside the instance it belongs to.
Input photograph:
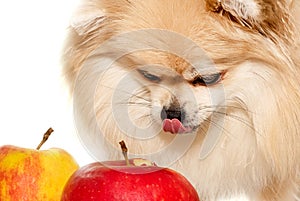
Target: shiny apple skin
(114, 181)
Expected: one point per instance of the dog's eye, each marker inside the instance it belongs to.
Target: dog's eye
(211, 79)
(207, 80)
(149, 76)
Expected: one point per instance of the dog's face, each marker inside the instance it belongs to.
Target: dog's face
(181, 102)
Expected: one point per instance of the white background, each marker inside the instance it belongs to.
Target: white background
(33, 95)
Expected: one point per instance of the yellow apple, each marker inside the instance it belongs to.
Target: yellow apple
(33, 174)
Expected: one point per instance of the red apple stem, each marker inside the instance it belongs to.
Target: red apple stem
(124, 151)
(45, 138)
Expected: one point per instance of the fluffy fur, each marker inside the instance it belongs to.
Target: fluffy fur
(128, 60)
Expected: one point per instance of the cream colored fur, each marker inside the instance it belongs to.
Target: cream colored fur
(254, 118)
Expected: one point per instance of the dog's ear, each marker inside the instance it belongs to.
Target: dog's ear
(84, 19)
(269, 17)
(242, 9)
(91, 14)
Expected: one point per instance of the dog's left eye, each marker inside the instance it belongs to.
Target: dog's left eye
(207, 80)
(149, 76)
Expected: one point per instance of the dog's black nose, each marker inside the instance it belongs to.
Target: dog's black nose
(172, 113)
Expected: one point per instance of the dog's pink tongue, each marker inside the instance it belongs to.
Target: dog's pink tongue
(174, 126)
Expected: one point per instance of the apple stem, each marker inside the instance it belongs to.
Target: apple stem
(124, 151)
(45, 138)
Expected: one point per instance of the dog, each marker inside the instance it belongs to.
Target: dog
(210, 88)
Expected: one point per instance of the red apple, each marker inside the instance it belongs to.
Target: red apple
(128, 180)
(34, 175)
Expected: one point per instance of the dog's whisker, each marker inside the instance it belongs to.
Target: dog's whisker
(227, 107)
(210, 121)
(143, 117)
(240, 119)
(134, 104)
(235, 117)
(216, 110)
(138, 95)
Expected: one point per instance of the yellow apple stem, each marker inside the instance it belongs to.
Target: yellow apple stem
(124, 151)
(45, 138)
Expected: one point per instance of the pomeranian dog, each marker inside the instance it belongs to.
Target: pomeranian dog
(210, 88)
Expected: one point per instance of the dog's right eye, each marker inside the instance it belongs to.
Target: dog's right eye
(149, 76)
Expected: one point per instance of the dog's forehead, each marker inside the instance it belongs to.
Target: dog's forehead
(192, 67)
